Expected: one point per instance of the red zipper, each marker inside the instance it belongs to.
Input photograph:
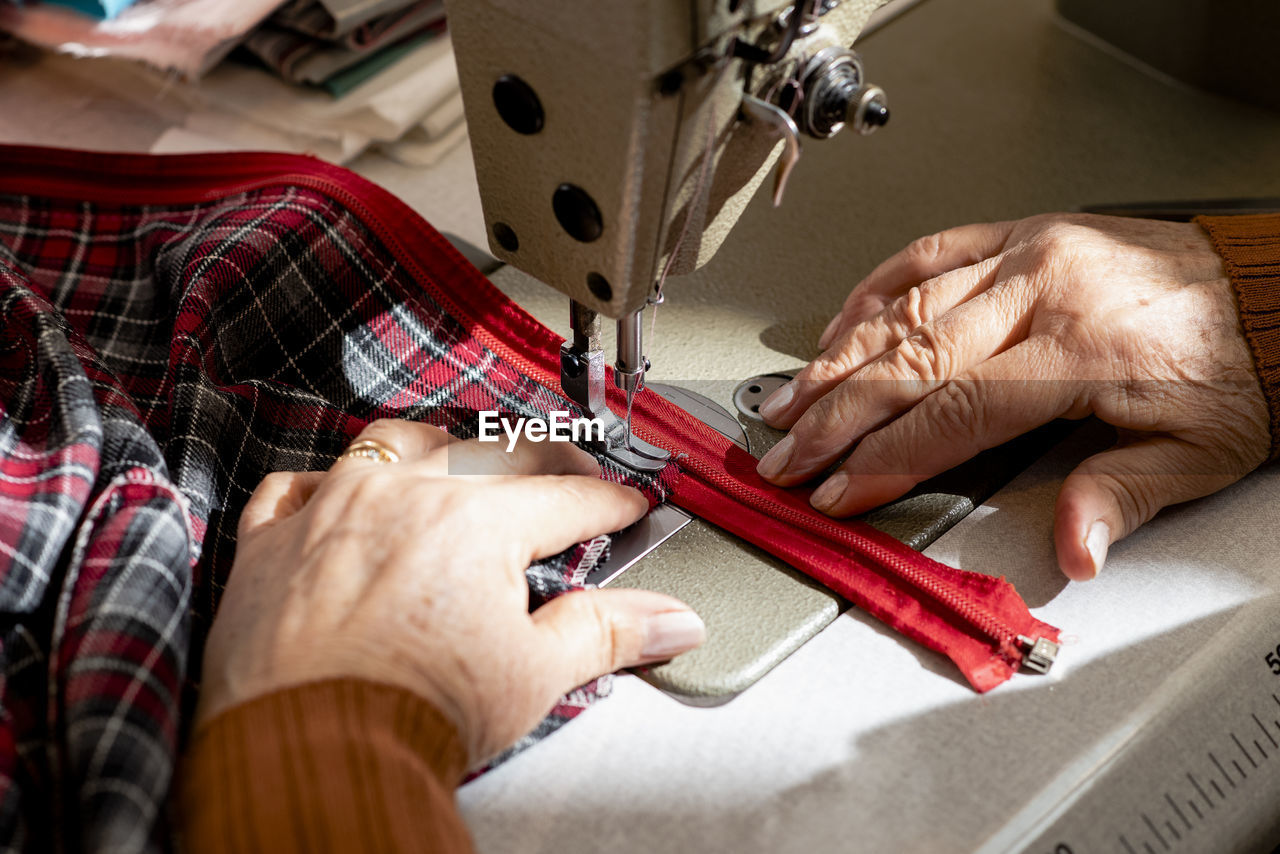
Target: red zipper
(978, 621)
(891, 558)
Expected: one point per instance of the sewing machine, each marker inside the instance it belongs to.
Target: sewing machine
(863, 742)
(617, 143)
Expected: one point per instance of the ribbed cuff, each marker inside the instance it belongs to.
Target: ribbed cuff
(340, 765)
(1250, 246)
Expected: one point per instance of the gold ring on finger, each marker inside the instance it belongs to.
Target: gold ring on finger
(371, 450)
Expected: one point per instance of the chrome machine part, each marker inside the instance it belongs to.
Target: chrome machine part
(811, 16)
(835, 93)
(632, 544)
(628, 370)
(705, 410)
(871, 112)
(782, 125)
(582, 376)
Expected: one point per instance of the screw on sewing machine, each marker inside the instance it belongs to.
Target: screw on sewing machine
(809, 16)
(672, 81)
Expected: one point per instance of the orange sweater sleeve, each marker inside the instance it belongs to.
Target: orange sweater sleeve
(1250, 246)
(334, 766)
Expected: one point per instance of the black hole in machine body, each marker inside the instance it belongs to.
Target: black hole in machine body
(506, 236)
(518, 105)
(577, 213)
(599, 287)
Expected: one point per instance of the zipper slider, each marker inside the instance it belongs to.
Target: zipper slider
(1038, 654)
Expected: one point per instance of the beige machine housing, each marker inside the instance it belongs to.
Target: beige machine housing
(641, 109)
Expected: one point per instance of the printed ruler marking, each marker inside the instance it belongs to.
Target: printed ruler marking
(1264, 729)
(1196, 784)
(1246, 753)
(1222, 770)
(1177, 811)
(1167, 836)
(1154, 831)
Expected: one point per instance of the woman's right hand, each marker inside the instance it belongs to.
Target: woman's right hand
(403, 573)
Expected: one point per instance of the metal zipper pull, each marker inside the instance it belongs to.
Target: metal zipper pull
(1038, 654)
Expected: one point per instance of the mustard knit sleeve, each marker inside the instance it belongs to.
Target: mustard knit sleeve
(334, 766)
(1250, 246)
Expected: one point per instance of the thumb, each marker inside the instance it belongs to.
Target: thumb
(1112, 494)
(593, 632)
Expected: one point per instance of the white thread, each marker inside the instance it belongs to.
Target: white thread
(591, 555)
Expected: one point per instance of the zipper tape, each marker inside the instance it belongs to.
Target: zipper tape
(978, 621)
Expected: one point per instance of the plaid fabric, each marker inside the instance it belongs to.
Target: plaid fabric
(155, 363)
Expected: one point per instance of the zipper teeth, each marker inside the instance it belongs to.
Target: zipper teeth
(957, 601)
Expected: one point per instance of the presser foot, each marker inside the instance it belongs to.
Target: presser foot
(664, 521)
(635, 453)
(582, 378)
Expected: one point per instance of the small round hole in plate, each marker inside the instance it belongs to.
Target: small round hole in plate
(754, 391)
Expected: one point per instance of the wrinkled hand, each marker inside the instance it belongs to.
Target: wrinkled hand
(971, 337)
(404, 574)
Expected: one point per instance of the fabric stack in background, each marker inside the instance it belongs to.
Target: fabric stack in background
(327, 77)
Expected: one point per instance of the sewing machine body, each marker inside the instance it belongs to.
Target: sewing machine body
(592, 123)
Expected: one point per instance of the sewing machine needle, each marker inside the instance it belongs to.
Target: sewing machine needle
(631, 396)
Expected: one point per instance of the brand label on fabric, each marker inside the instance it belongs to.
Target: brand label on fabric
(559, 427)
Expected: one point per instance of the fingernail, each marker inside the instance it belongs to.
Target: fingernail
(1097, 542)
(773, 463)
(671, 633)
(826, 497)
(778, 402)
(829, 332)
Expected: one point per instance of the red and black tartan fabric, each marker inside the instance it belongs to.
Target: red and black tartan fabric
(156, 361)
